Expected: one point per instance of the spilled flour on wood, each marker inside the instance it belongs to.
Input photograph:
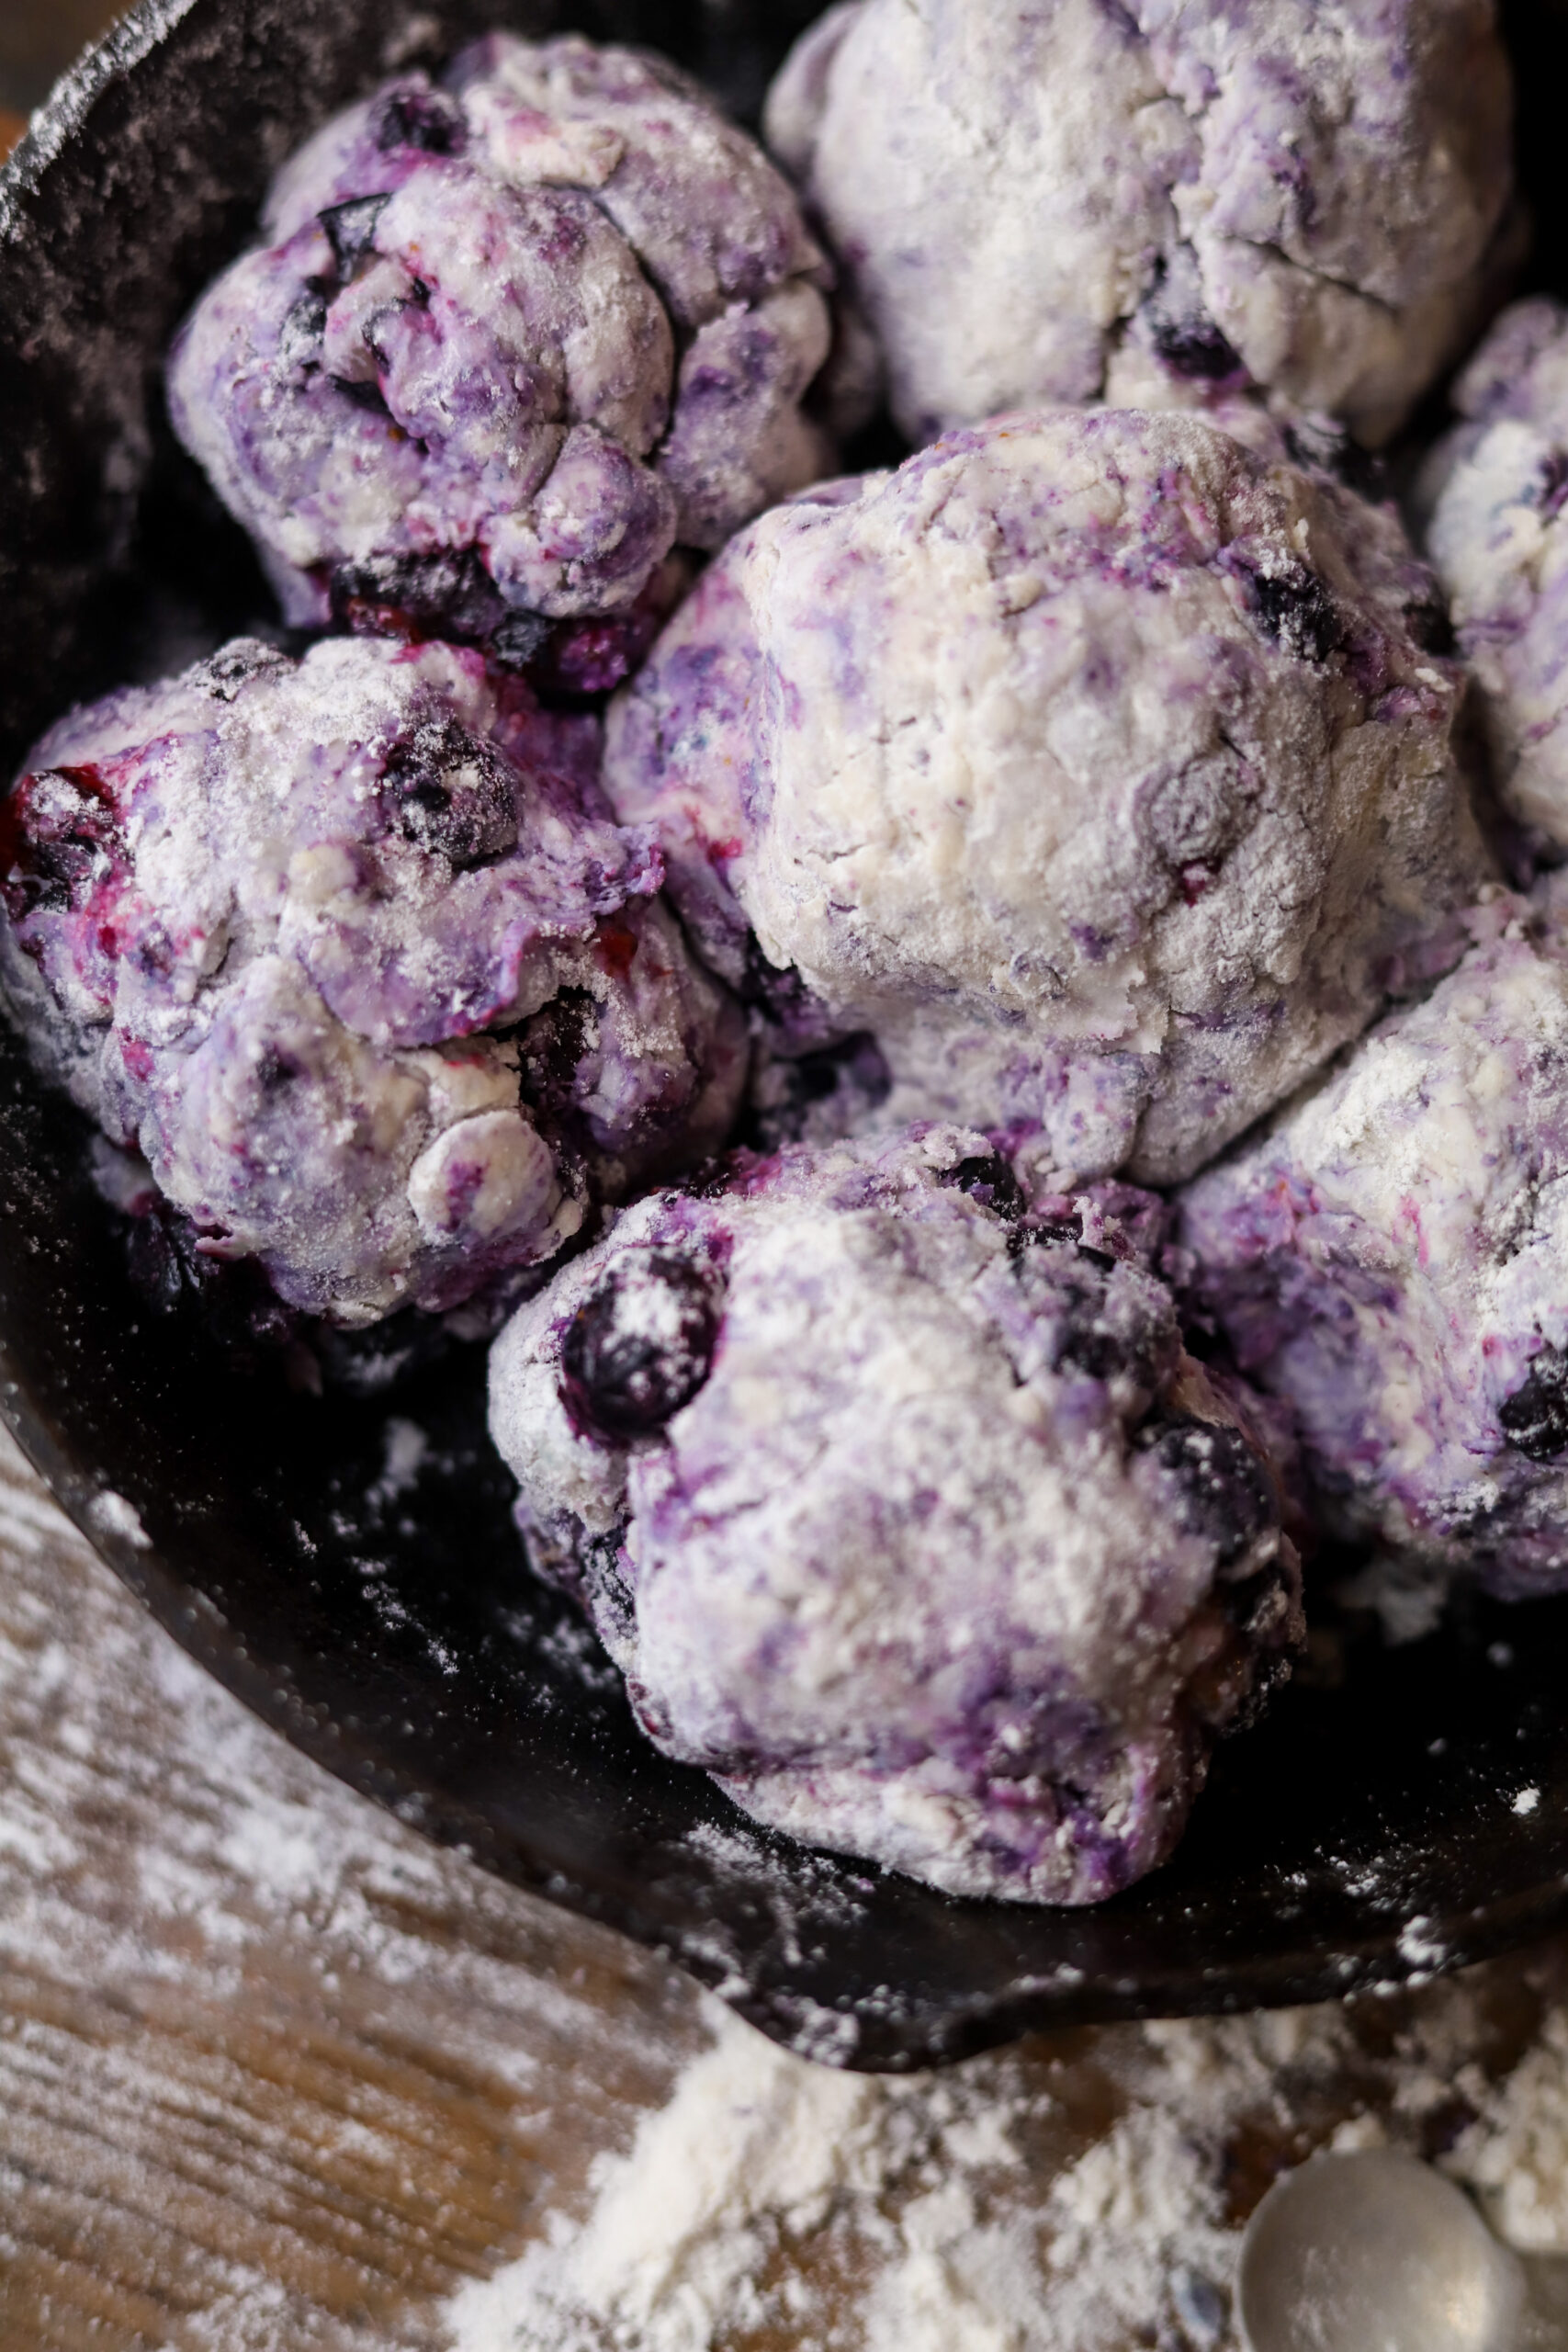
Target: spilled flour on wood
(264, 2047)
(1089, 2201)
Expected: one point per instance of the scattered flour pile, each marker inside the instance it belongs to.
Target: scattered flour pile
(901, 2210)
(1090, 2204)
(1519, 2158)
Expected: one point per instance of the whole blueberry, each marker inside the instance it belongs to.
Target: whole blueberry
(451, 794)
(640, 1347)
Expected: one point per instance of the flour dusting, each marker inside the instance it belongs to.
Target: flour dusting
(1081, 2195)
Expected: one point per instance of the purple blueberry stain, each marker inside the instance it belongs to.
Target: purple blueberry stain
(841, 1517)
(366, 402)
(288, 930)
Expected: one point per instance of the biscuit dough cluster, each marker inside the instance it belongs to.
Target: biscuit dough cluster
(904, 1511)
(1306, 195)
(505, 340)
(1392, 1260)
(351, 952)
(1078, 763)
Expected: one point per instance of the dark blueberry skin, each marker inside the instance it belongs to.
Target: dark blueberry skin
(1087, 1339)
(1296, 610)
(990, 1182)
(1535, 1418)
(1430, 626)
(1225, 1491)
(1182, 332)
(1195, 347)
(414, 596)
(413, 115)
(619, 1379)
(352, 228)
(300, 339)
(1085, 1344)
(451, 794)
(516, 640)
(553, 1044)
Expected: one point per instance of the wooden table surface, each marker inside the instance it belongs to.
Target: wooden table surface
(277, 2076)
(273, 2070)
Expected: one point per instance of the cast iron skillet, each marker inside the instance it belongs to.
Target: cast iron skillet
(1376, 1828)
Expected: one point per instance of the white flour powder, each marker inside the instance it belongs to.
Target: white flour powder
(1015, 2205)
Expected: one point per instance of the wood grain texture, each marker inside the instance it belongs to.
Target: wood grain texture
(274, 2072)
(276, 2075)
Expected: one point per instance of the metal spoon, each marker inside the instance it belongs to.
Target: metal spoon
(1376, 2253)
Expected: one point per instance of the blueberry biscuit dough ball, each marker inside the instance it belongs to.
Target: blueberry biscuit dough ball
(1496, 489)
(351, 951)
(1304, 194)
(1392, 1260)
(506, 340)
(903, 1511)
(1075, 762)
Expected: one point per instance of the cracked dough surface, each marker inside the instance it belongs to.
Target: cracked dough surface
(351, 953)
(1075, 762)
(1391, 1259)
(1298, 192)
(902, 1509)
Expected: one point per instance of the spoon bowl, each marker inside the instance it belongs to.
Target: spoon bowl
(361, 1586)
(1374, 2252)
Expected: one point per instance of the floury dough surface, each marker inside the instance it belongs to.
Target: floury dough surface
(1391, 1259)
(1088, 762)
(1496, 490)
(352, 952)
(903, 1511)
(505, 341)
(1300, 194)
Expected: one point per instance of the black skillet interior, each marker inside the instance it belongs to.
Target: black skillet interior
(361, 1588)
